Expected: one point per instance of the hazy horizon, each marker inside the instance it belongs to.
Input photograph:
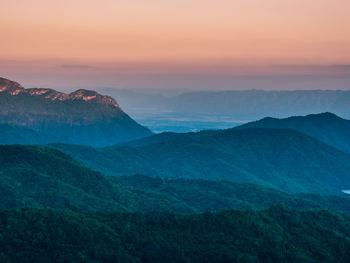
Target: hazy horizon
(165, 44)
(177, 83)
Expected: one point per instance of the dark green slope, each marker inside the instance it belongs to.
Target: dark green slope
(326, 127)
(274, 235)
(32, 176)
(281, 158)
(182, 195)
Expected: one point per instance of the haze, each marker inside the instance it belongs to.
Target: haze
(224, 44)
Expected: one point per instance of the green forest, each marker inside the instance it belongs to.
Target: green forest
(277, 234)
(53, 209)
(238, 195)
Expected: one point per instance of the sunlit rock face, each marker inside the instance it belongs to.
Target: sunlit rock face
(81, 117)
(14, 88)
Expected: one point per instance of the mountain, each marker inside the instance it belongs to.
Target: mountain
(53, 209)
(283, 159)
(180, 111)
(35, 176)
(278, 234)
(13, 134)
(257, 104)
(82, 117)
(326, 127)
(184, 195)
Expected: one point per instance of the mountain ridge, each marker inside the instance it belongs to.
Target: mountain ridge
(81, 117)
(37, 176)
(14, 88)
(257, 155)
(326, 127)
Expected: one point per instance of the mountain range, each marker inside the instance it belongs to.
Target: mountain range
(256, 104)
(40, 177)
(102, 188)
(283, 159)
(264, 152)
(81, 117)
(326, 127)
(182, 111)
(54, 209)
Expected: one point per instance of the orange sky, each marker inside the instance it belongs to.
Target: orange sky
(163, 36)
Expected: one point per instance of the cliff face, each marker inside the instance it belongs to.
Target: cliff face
(81, 117)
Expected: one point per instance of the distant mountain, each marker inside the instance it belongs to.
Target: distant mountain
(326, 127)
(257, 104)
(82, 117)
(284, 159)
(33, 176)
(199, 110)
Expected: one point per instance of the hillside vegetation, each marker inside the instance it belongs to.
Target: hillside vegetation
(326, 127)
(274, 235)
(283, 159)
(33, 176)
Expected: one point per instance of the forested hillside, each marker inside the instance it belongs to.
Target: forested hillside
(274, 235)
(33, 176)
(326, 127)
(283, 159)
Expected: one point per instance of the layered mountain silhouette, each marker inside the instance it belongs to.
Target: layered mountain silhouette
(257, 104)
(36, 176)
(56, 204)
(326, 127)
(82, 117)
(220, 106)
(284, 159)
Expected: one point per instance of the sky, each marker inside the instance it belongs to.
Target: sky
(222, 44)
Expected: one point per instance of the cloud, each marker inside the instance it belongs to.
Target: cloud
(80, 66)
(344, 66)
(314, 69)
